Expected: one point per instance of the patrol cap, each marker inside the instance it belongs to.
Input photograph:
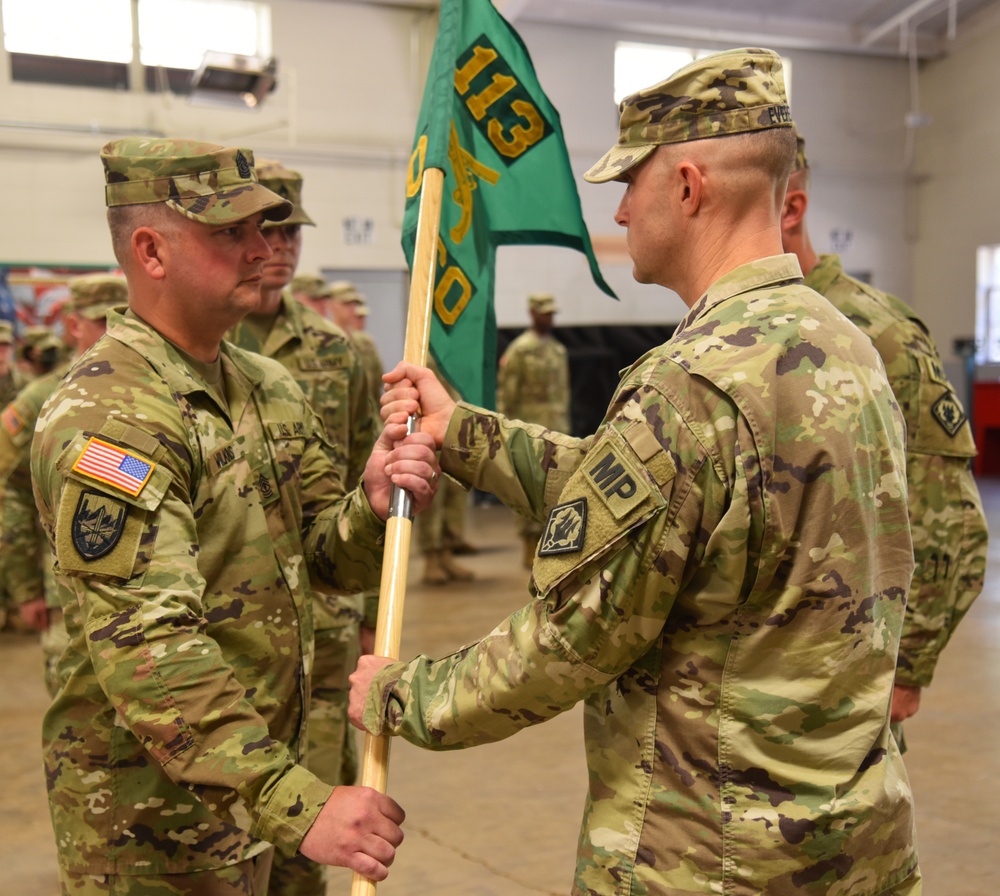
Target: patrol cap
(39, 338)
(312, 285)
(204, 182)
(345, 291)
(288, 185)
(93, 295)
(801, 162)
(732, 92)
(542, 302)
(6, 332)
(360, 305)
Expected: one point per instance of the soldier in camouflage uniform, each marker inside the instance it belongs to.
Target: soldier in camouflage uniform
(320, 357)
(38, 353)
(723, 570)
(947, 522)
(187, 493)
(25, 559)
(10, 384)
(533, 386)
(350, 309)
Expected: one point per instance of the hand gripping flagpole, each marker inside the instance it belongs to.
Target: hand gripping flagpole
(399, 526)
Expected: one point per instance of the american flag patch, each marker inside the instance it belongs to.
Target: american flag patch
(114, 466)
(11, 421)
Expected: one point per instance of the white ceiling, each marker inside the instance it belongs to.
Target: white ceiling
(885, 27)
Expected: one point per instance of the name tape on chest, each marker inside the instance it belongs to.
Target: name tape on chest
(114, 466)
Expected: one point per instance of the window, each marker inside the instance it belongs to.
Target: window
(988, 305)
(641, 65)
(91, 43)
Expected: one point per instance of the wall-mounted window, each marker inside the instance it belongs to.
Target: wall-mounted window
(642, 65)
(91, 43)
(988, 305)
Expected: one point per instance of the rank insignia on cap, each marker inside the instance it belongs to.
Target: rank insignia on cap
(11, 421)
(242, 165)
(114, 466)
(565, 530)
(948, 412)
(98, 524)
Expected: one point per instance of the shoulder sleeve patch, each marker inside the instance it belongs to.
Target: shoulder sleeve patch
(11, 421)
(949, 413)
(114, 466)
(565, 530)
(98, 524)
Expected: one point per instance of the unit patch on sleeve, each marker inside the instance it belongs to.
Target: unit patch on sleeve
(948, 412)
(565, 530)
(98, 524)
(114, 466)
(11, 421)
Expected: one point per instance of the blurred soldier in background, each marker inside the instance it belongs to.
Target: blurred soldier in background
(350, 309)
(25, 558)
(533, 386)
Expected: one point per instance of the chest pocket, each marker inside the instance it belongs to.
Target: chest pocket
(617, 488)
(113, 485)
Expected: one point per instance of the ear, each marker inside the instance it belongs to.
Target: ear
(691, 182)
(149, 249)
(71, 324)
(794, 210)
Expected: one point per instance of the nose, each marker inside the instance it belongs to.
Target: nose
(621, 213)
(260, 248)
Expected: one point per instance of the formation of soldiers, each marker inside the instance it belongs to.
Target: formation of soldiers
(747, 574)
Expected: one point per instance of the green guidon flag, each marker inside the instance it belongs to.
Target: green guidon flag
(487, 124)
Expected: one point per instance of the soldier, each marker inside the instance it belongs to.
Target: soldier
(25, 560)
(38, 353)
(723, 570)
(313, 292)
(533, 386)
(10, 383)
(947, 522)
(350, 309)
(187, 494)
(320, 357)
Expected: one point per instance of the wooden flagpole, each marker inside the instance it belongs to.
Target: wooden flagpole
(399, 526)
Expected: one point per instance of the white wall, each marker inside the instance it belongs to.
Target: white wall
(350, 79)
(958, 195)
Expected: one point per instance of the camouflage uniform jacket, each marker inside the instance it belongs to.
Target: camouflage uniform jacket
(371, 361)
(533, 381)
(723, 585)
(321, 358)
(173, 744)
(946, 515)
(25, 560)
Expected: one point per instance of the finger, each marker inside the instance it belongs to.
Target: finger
(367, 866)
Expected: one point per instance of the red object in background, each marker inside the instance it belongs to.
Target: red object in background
(986, 427)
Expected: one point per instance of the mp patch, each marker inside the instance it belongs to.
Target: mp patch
(566, 529)
(98, 524)
(948, 412)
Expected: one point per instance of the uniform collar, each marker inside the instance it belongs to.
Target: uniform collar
(827, 269)
(774, 270)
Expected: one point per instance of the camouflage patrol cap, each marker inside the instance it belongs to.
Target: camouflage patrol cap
(39, 338)
(801, 162)
(288, 185)
(311, 285)
(204, 182)
(6, 332)
(733, 92)
(542, 302)
(360, 305)
(93, 295)
(345, 291)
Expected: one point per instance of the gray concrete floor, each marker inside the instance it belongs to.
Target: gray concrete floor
(501, 820)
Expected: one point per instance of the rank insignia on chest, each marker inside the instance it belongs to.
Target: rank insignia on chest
(948, 412)
(565, 530)
(98, 524)
(11, 421)
(114, 466)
